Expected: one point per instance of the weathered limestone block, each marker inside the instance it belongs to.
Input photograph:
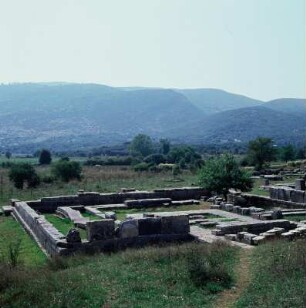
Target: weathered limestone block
(236, 209)
(258, 240)
(175, 224)
(300, 184)
(248, 238)
(240, 235)
(147, 202)
(215, 206)
(73, 236)
(230, 237)
(245, 211)
(297, 196)
(100, 229)
(149, 226)
(128, 228)
(229, 207)
(110, 215)
(7, 210)
(277, 214)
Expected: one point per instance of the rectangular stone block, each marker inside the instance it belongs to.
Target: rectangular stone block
(175, 224)
(128, 228)
(297, 196)
(149, 226)
(100, 229)
(299, 184)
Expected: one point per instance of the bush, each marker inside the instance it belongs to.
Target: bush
(23, 172)
(142, 167)
(45, 157)
(67, 170)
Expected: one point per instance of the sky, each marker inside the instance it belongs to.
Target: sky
(250, 47)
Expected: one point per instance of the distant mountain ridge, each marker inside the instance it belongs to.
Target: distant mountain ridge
(72, 116)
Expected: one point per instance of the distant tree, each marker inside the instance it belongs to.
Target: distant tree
(165, 146)
(260, 152)
(8, 154)
(141, 145)
(300, 154)
(287, 153)
(67, 170)
(222, 173)
(23, 172)
(45, 157)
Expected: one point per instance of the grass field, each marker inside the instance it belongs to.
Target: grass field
(186, 275)
(103, 179)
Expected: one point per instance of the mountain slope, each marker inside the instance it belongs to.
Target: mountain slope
(213, 100)
(244, 124)
(290, 105)
(64, 116)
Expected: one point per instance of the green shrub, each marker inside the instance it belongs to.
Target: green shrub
(23, 172)
(67, 170)
(141, 167)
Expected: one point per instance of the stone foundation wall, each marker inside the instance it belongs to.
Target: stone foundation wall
(287, 194)
(267, 202)
(39, 228)
(102, 234)
(50, 204)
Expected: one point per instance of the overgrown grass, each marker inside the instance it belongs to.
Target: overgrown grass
(176, 275)
(278, 276)
(64, 224)
(10, 234)
(121, 213)
(295, 217)
(103, 179)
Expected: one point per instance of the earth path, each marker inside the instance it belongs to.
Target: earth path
(229, 297)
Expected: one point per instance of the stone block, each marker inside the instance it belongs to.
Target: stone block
(100, 229)
(236, 209)
(149, 226)
(230, 237)
(128, 228)
(297, 196)
(277, 214)
(300, 184)
(248, 238)
(73, 236)
(110, 215)
(245, 211)
(215, 206)
(229, 207)
(175, 224)
(258, 240)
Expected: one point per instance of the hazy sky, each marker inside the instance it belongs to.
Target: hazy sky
(251, 47)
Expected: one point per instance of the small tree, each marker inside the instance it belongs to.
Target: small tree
(8, 154)
(45, 157)
(141, 145)
(222, 173)
(287, 153)
(260, 152)
(67, 170)
(23, 172)
(165, 146)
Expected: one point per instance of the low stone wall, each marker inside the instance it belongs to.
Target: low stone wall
(247, 200)
(50, 204)
(39, 228)
(287, 194)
